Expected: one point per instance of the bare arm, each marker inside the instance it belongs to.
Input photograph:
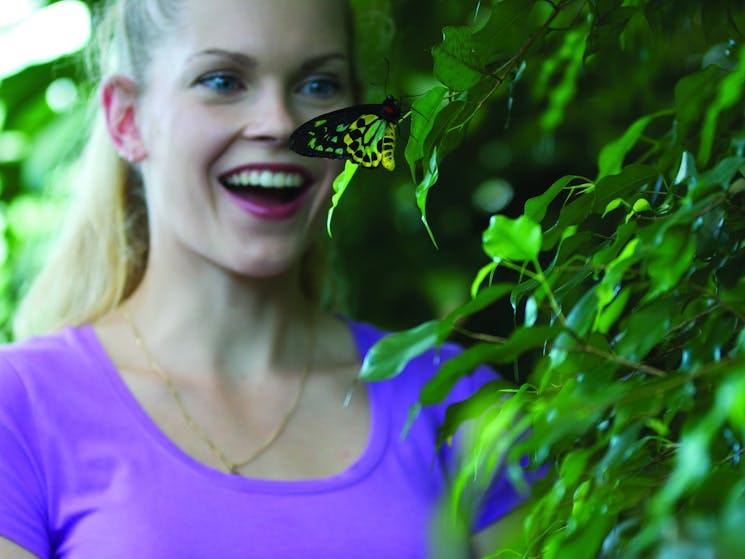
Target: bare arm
(9, 550)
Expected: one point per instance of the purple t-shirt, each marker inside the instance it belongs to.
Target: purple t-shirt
(85, 473)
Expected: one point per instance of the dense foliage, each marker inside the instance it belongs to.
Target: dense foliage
(626, 286)
(608, 291)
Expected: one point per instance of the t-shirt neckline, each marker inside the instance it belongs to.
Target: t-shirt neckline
(364, 464)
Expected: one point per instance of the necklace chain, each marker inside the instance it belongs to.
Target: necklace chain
(231, 466)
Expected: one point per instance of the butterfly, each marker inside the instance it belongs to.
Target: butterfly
(363, 134)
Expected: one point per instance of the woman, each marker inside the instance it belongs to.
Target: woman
(192, 398)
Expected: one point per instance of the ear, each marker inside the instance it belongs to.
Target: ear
(118, 100)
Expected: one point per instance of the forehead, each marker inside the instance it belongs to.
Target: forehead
(276, 28)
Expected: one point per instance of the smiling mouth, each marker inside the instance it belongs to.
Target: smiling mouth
(266, 186)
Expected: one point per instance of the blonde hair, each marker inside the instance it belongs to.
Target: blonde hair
(101, 254)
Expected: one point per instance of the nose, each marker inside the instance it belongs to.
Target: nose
(271, 121)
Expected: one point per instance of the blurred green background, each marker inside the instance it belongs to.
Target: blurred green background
(552, 121)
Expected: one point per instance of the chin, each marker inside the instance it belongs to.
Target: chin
(267, 269)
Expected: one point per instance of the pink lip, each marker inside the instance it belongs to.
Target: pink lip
(270, 211)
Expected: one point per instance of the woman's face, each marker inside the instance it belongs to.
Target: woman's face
(224, 91)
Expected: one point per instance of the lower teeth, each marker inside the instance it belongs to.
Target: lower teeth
(274, 195)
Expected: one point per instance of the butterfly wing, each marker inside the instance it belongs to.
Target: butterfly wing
(364, 134)
(324, 135)
(365, 138)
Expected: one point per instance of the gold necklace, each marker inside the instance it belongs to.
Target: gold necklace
(231, 466)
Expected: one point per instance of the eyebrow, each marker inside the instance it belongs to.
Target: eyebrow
(237, 57)
(244, 60)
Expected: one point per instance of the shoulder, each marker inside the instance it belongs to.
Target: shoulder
(36, 352)
(36, 364)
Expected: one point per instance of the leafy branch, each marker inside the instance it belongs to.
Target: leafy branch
(633, 328)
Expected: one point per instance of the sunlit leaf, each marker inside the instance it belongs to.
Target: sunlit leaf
(573, 466)
(485, 272)
(424, 111)
(610, 314)
(512, 239)
(431, 174)
(340, 185)
(487, 396)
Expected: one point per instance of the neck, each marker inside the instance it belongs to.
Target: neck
(211, 320)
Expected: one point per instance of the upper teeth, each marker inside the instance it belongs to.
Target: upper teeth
(266, 179)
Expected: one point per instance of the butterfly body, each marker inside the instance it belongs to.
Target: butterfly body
(364, 134)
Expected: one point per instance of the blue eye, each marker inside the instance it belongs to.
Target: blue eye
(320, 87)
(221, 82)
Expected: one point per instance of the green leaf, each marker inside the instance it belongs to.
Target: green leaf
(562, 93)
(626, 183)
(483, 273)
(456, 60)
(610, 161)
(539, 516)
(730, 91)
(613, 205)
(424, 111)
(716, 179)
(573, 213)
(735, 296)
(691, 465)
(512, 239)
(494, 38)
(608, 25)
(448, 128)
(692, 95)
(573, 466)
(580, 319)
(644, 330)
(521, 340)
(687, 169)
(535, 208)
(478, 302)
(621, 448)
(582, 315)
(737, 411)
(610, 314)
(641, 205)
(340, 185)
(431, 174)
(474, 406)
(388, 357)
(623, 234)
(670, 259)
(587, 543)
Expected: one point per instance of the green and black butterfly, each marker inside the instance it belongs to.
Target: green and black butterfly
(363, 134)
